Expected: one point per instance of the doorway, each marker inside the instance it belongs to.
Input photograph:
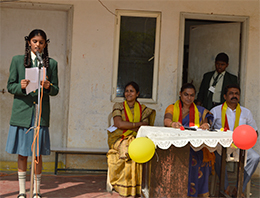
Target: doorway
(202, 37)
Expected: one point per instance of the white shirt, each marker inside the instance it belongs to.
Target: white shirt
(246, 117)
(33, 57)
(216, 97)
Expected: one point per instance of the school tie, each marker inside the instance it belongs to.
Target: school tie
(215, 81)
(210, 94)
(35, 62)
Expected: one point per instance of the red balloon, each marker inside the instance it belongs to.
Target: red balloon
(244, 137)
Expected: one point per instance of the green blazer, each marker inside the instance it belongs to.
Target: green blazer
(23, 104)
(204, 86)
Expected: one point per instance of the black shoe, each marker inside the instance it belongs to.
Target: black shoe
(22, 194)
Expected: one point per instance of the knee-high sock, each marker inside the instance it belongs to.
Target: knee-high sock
(22, 180)
(37, 182)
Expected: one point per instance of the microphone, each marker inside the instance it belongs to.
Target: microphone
(39, 57)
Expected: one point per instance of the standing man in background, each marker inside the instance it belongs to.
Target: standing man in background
(211, 89)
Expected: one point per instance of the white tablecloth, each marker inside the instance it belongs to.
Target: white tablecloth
(164, 137)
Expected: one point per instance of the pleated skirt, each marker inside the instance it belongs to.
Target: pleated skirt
(20, 141)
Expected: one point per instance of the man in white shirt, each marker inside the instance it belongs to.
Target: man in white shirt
(231, 106)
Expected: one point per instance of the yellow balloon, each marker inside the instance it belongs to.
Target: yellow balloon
(141, 149)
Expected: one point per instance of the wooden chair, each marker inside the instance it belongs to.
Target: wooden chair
(109, 187)
(214, 179)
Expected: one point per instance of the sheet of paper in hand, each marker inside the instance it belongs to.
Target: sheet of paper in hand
(112, 128)
(32, 75)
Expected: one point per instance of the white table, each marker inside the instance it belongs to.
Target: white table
(166, 138)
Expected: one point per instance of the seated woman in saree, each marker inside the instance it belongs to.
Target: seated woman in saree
(184, 113)
(125, 174)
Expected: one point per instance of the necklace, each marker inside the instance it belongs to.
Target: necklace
(133, 105)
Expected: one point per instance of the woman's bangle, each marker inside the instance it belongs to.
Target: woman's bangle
(133, 125)
(208, 124)
(171, 123)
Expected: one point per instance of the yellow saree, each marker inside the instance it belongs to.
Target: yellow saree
(125, 174)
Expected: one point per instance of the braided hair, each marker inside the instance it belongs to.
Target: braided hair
(45, 55)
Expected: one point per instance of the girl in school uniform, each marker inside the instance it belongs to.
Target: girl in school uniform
(21, 135)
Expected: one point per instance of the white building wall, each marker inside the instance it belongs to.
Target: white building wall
(92, 63)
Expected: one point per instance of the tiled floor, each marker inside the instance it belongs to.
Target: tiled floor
(89, 185)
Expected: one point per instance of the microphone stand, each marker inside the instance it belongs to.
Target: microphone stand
(36, 120)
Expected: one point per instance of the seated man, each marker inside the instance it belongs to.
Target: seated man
(231, 106)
